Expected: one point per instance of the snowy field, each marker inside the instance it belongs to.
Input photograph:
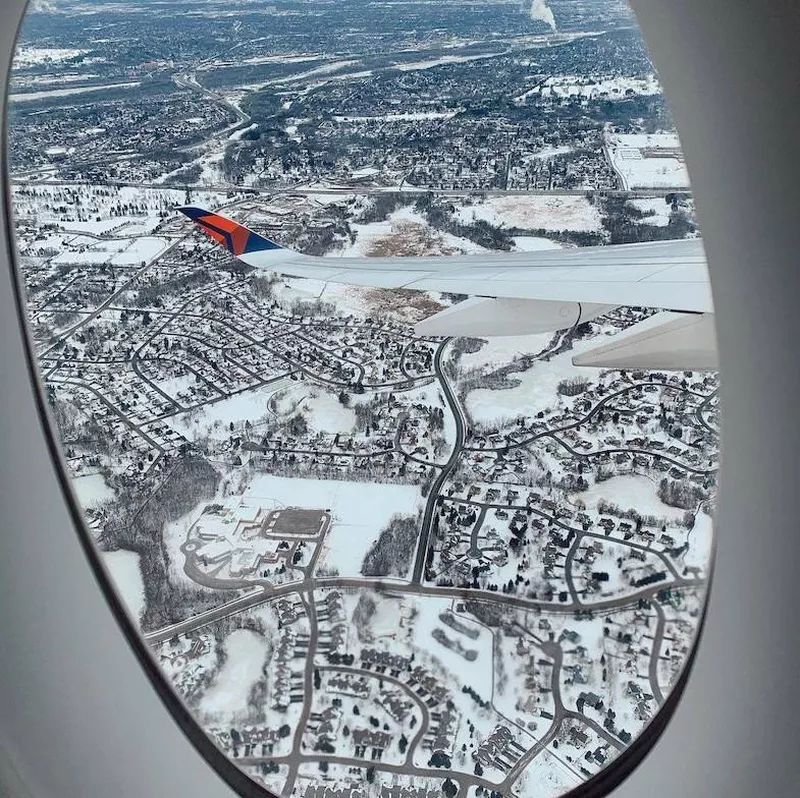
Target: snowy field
(631, 490)
(537, 388)
(417, 116)
(405, 232)
(360, 510)
(174, 536)
(227, 696)
(322, 409)
(127, 578)
(701, 540)
(92, 490)
(501, 350)
(535, 211)
(120, 225)
(548, 777)
(590, 87)
(658, 206)
(648, 160)
(119, 252)
(213, 420)
(43, 95)
(31, 56)
(445, 59)
(361, 301)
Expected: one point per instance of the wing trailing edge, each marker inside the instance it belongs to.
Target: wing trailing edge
(523, 293)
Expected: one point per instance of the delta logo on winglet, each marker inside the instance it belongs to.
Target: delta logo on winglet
(236, 238)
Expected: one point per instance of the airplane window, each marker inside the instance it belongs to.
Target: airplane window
(379, 346)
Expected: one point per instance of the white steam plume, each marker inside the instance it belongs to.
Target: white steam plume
(541, 11)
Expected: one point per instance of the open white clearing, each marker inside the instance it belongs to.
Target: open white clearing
(701, 539)
(214, 420)
(631, 490)
(322, 410)
(534, 212)
(359, 510)
(537, 388)
(92, 490)
(228, 693)
(502, 349)
(127, 578)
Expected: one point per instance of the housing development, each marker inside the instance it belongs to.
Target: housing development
(370, 563)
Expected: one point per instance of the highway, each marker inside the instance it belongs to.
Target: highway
(444, 473)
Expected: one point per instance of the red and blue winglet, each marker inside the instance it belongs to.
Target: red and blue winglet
(236, 238)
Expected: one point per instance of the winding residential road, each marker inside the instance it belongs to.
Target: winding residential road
(447, 469)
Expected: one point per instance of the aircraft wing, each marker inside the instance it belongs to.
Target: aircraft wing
(521, 292)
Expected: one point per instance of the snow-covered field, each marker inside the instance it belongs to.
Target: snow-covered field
(119, 252)
(213, 420)
(536, 389)
(92, 490)
(228, 693)
(121, 225)
(43, 95)
(405, 232)
(127, 578)
(503, 349)
(532, 212)
(322, 409)
(31, 56)
(648, 160)
(658, 206)
(445, 59)
(407, 116)
(360, 510)
(632, 490)
(701, 539)
(583, 86)
(547, 778)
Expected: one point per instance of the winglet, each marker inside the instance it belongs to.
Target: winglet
(236, 238)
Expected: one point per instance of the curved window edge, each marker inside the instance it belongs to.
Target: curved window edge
(600, 785)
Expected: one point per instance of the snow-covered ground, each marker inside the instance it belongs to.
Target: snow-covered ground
(213, 420)
(445, 59)
(407, 116)
(119, 252)
(613, 87)
(648, 160)
(501, 350)
(322, 409)
(42, 95)
(537, 388)
(404, 232)
(92, 490)
(121, 225)
(127, 578)
(360, 510)
(228, 693)
(547, 778)
(31, 56)
(701, 540)
(633, 490)
(535, 211)
(174, 536)
(477, 674)
(658, 206)
(237, 134)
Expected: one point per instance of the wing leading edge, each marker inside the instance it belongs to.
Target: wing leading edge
(515, 293)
